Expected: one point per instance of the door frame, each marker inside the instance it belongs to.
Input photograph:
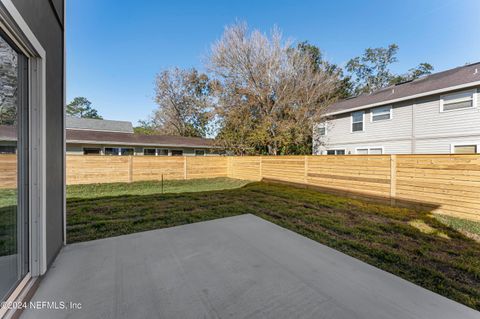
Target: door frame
(17, 30)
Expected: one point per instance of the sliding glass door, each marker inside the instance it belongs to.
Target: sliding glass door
(14, 167)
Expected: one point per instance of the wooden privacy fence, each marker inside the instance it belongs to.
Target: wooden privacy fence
(448, 183)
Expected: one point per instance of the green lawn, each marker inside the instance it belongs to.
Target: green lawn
(412, 245)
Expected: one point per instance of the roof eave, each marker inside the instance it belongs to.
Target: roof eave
(409, 97)
(139, 144)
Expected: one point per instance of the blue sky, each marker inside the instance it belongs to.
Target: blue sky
(116, 47)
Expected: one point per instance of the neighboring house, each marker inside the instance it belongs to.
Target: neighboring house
(32, 114)
(105, 137)
(438, 113)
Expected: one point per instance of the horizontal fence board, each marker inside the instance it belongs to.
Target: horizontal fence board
(450, 183)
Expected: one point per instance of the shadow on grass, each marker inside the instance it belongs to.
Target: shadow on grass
(409, 243)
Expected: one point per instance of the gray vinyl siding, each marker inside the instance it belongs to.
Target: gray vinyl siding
(46, 22)
(417, 126)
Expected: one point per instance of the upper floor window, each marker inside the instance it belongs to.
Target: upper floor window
(456, 101)
(322, 129)
(381, 113)
(357, 121)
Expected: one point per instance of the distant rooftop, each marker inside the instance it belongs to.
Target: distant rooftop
(459, 76)
(76, 123)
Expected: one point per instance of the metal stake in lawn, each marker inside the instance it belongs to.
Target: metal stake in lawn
(162, 183)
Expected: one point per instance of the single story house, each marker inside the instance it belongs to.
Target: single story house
(106, 137)
(435, 114)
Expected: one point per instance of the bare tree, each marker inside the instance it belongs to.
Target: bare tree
(271, 92)
(183, 103)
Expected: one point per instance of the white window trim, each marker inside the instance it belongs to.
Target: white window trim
(390, 111)
(452, 146)
(368, 148)
(474, 101)
(322, 125)
(351, 122)
(336, 149)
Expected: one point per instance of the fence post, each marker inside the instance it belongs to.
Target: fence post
(184, 167)
(261, 167)
(305, 169)
(393, 179)
(229, 167)
(130, 168)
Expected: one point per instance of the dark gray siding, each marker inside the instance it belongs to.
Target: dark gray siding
(44, 17)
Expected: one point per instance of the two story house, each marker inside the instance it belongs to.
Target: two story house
(435, 114)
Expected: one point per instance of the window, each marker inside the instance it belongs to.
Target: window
(91, 151)
(465, 149)
(357, 121)
(199, 152)
(112, 151)
(322, 129)
(7, 149)
(126, 151)
(14, 114)
(162, 152)
(369, 150)
(375, 151)
(457, 101)
(381, 113)
(336, 152)
(149, 151)
(362, 151)
(177, 153)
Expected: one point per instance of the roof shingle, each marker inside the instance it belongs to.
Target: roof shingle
(437, 81)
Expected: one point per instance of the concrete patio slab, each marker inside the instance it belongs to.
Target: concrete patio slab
(237, 267)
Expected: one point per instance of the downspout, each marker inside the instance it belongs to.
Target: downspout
(413, 138)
